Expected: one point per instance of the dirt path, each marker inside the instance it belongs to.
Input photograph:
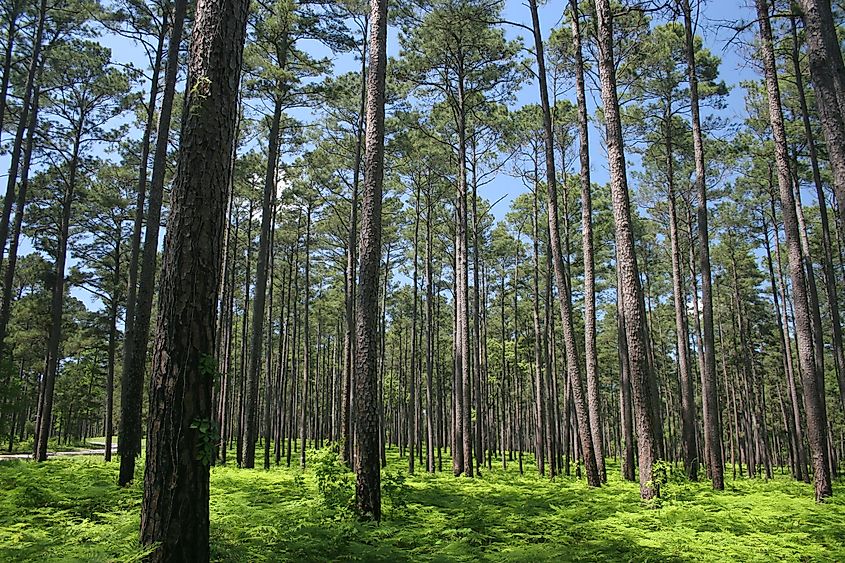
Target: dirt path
(101, 451)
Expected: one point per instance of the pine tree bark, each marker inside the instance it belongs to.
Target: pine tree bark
(826, 70)
(709, 393)
(367, 433)
(573, 367)
(132, 388)
(690, 450)
(811, 380)
(590, 349)
(181, 437)
(633, 307)
(827, 245)
(258, 313)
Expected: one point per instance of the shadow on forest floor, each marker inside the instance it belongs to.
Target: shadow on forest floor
(71, 509)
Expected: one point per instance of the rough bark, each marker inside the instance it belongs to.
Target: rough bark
(180, 441)
(573, 367)
(812, 381)
(132, 389)
(827, 244)
(633, 306)
(590, 349)
(825, 61)
(367, 465)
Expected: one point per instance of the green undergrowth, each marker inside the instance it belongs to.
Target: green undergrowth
(71, 510)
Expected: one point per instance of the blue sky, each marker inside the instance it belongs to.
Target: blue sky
(715, 15)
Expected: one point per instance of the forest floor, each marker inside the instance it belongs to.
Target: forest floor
(70, 509)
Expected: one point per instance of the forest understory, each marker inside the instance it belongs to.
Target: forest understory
(72, 510)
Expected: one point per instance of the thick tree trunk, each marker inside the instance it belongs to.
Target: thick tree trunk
(812, 381)
(367, 465)
(827, 264)
(182, 433)
(826, 68)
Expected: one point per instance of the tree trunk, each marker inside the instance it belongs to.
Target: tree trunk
(306, 341)
(57, 302)
(590, 350)
(564, 294)
(367, 465)
(827, 263)
(681, 329)
(826, 67)
(811, 380)
(709, 391)
(633, 307)
(17, 225)
(258, 313)
(132, 392)
(182, 433)
(138, 224)
(33, 71)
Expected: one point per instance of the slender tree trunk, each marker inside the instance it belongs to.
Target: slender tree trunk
(12, 29)
(367, 466)
(709, 393)
(626, 413)
(306, 341)
(138, 224)
(412, 419)
(132, 392)
(633, 306)
(590, 350)
(17, 225)
(811, 380)
(539, 411)
(258, 312)
(564, 294)
(33, 71)
(681, 329)
(45, 423)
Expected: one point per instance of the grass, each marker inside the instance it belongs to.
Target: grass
(71, 510)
